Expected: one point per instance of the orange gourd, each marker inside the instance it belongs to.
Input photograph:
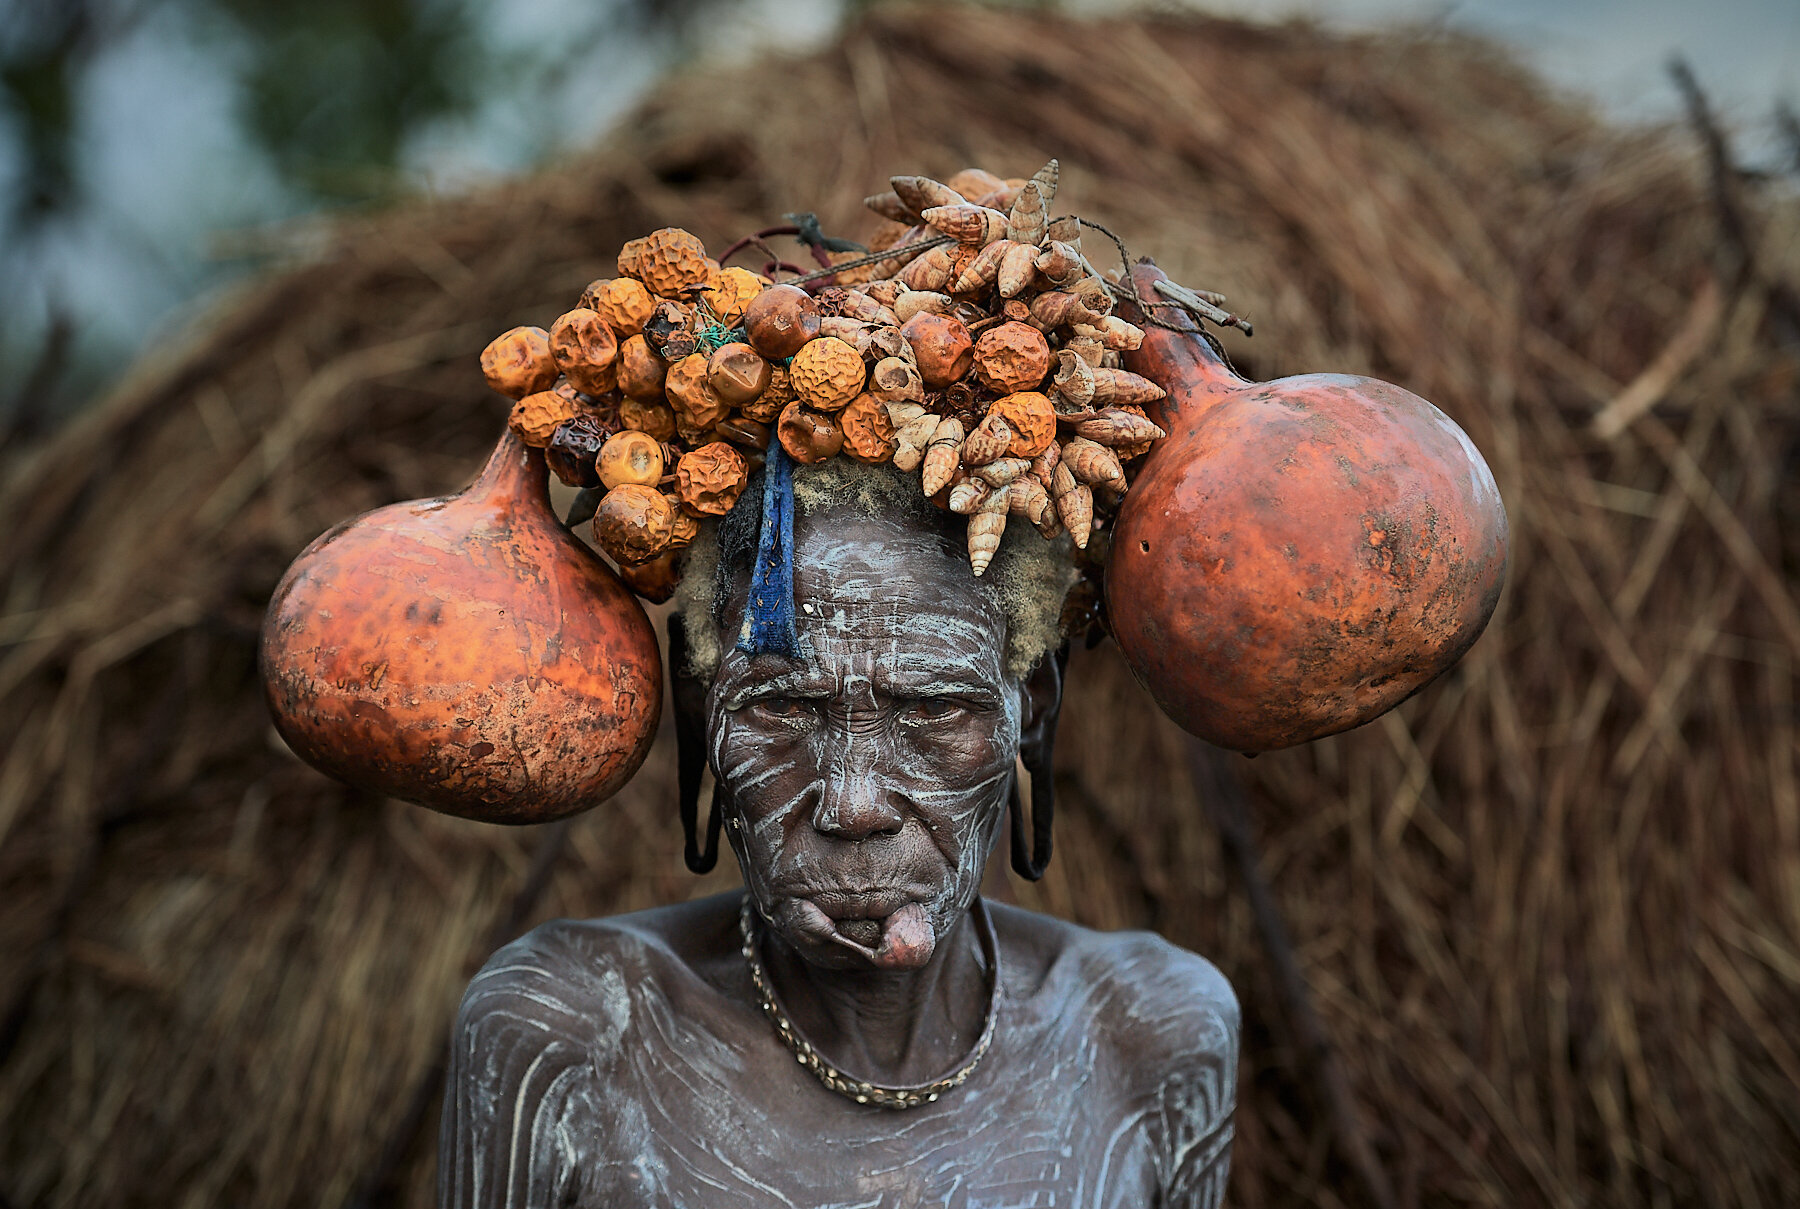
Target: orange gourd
(1298, 556)
(466, 653)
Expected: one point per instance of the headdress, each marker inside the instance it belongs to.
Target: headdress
(1277, 560)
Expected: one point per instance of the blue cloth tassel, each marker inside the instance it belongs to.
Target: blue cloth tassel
(769, 615)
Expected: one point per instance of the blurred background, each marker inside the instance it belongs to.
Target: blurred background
(1545, 917)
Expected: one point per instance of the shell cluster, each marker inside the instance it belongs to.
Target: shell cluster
(979, 352)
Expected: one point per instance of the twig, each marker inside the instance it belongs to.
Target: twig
(1647, 389)
(1221, 793)
(1200, 304)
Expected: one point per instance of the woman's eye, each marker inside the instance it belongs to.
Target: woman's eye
(783, 707)
(933, 709)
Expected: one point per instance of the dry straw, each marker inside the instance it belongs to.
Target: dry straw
(1549, 910)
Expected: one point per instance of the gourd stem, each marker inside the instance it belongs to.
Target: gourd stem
(516, 474)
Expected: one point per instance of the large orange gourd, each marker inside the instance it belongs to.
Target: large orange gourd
(465, 653)
(1298, 556)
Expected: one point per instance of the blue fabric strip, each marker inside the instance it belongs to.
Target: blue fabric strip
(769, 615)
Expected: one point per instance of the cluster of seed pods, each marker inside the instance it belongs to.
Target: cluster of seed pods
(986, 362)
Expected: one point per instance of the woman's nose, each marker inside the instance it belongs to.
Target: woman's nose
(852, 803)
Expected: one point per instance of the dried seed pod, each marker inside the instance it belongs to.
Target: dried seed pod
(1017, 265)
(653, 417)
(634, 523)
(921, 193)
(913, 302)
(777, 395)
(1123, 386)
(896, 380)
(975, 182)
(670, 330)
(911, 435)
(942, 453)
(671, 260)
(736, 373)
(1029, 215)
(628, 256)
(584, 348)
(990, 439)
(827, 373)
(1116, 426)
(1032, 420)
(631, 457)
(536, 417)
(967, 494)
(780, 320)
(640, 372)
(686, 528)
(1026, 497)
(697, 405)
(1074, 504)
(709, 480)
(807, 435)
(1095, 465)
(986, 526)
(885, 293)
(1059, 308)
(1010, 357)
(1001, 471)
(744, 433)
(623, 302)
(966, 224)
(657, 579)
(518, 362)
(941, 348)
(890, 207)
(732, 294)
(1059, 265)
(572, 449)
(868, 430)
(931, 271)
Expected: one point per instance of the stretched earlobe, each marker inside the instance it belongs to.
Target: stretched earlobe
(689, 699)
(1037, 744)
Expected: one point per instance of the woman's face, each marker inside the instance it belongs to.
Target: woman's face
(866, 779)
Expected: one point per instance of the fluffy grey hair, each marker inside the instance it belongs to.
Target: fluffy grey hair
(1029, 575)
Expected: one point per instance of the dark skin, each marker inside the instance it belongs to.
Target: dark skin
(627, 1060)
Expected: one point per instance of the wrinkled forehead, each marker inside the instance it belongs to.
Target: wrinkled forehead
(885, 599)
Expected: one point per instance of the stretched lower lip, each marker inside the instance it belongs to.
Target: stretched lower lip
(842, 905)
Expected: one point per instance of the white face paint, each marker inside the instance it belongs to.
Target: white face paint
(866, 779)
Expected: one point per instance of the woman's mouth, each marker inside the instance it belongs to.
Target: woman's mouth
(900, 938)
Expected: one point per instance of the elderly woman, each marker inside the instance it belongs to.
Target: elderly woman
(858, 1027)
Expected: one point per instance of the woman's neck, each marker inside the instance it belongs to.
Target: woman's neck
(892, 1027)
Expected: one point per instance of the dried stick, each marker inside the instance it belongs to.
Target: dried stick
(1221, 793)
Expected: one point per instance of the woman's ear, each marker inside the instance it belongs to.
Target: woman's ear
(1042, 699)
(687, 694)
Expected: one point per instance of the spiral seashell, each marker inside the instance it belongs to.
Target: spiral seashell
(990, 440)
(941, 455)
(931, 271)
(968, 495)
(1029, 216)
(1016, 268)
(1095, 465)
(1113, 428)
(1074, 504)
(986, 525)
(1001, 471)
(1058, 264)
(1074, 380)
(975, 226)
(891, 207)
(921, 193)
(1123, 386)
(981, 270)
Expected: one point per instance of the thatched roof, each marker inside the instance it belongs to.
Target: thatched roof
(1550, 909)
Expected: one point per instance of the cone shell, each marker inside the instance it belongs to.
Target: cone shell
(890, 207)
(1018, 264)
(986, 526)
(1115, 427)
(1074, 504)
(709, 480)
(942, 453)
(1093, 464)
(868, 430)
(1029, 216)
(630, 457)
(518, 363)
(807, 435)
(991, 439)
(1011, 357)
(921, 193)
(913, 302)
(1123, 386)
(931, 271)
(623, 302)
(827, 373)
(976, 226)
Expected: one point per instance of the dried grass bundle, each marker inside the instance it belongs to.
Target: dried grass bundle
(1550, 908)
